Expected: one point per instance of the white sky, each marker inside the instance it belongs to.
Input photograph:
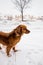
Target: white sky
(36, 8)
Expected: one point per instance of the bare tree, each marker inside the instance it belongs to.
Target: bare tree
(21, 4)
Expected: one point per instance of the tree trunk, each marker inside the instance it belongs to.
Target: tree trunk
(22, 14)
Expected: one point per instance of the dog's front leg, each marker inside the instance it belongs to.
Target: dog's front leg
(8, 50)
(14, 49)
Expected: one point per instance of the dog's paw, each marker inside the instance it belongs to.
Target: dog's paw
(9, 55)
(16, 50)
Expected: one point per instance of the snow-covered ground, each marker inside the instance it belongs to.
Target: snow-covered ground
(30, 46)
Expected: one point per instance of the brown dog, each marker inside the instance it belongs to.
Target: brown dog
(12, 38)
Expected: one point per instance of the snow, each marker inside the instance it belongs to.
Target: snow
(30, 46)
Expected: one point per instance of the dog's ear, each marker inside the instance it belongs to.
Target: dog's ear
(16, 33)
(19, 30)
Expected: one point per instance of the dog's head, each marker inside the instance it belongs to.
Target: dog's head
(24, 29)
(21, 29)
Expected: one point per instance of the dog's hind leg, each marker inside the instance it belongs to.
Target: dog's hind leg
(8, 50)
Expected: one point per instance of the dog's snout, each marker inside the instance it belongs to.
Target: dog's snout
(27, 31)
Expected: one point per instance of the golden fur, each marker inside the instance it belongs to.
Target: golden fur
(12, 38)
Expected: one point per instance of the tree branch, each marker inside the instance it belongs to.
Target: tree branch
(16, 2)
